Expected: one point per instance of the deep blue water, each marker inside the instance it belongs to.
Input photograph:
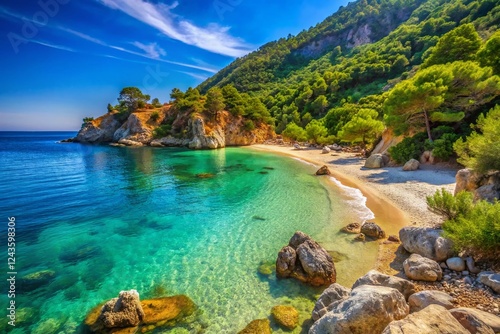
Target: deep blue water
(106, 219)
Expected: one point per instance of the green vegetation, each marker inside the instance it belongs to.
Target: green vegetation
(481, 150)
(131, 98)
(472, 226)
(155, 115)
(88, 119)
(363, 128)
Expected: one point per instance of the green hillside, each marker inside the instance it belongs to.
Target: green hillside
(408, 65)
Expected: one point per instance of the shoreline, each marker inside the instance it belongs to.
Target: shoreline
(396, 198)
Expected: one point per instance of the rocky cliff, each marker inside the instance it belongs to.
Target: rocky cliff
(199, 132)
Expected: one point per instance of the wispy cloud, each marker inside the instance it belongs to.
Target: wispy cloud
(82, 35)
(152, 49)
(54, 46)
(213, 38)
(195, 75)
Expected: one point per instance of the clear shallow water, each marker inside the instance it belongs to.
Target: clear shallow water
(107, 219)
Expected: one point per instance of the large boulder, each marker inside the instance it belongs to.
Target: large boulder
(420, 300)
(471, 318)
(419, 268)
(411, 165)
(427, 242)
(305, 260)
(455, 263)
(368, 310)
(334, 293)
(433, 319)
(490, 279)
(374, 277)
(286, 316)
(124, 311)
(372, 230)
(376, 161)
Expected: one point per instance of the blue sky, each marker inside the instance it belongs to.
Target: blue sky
(63, 60)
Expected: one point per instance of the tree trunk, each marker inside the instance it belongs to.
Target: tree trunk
(427, 125)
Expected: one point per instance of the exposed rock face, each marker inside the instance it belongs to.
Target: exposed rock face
(259, 326)
(485, 187)
(419, 268)
(324, 170)
(490, 279)
(305, 260)
(201, 139)
(388, 140)
(135, 129)
(369, 309)
(472, 318)
(433, 319)
(411, 165)
(427, 158)
(420, 300)
(374, 277)
(100, 130)
(376, 161)
(124, 311)
(286, 316)
(170, 142)
(334, 293)
(372, 230)
(427, 242)
(455, 263)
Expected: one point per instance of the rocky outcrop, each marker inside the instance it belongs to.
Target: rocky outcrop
(369, 309)
(427, 158)
(100, 130)
(374, 277)
(419, 268)
(304, 259)
(259, 326)
(476, 321)
(135, 129)
(353, 228)
(411, 165)
(433, 319)
(372, 230)
(427, 242)
(387, 141)
(324, 170)
(420, 300)
(377, 161)
(286, 316)
(334, 293)
(485, 186)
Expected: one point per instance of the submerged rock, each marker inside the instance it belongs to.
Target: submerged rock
(159, 311)
(259, 326)
(266, 268)
(36, 280)
(304, 259)
(285, 316)
(354, 228)
(205, 175)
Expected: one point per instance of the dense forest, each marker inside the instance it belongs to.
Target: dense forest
(426, 69)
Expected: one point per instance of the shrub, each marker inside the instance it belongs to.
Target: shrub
(162, 131)
(295, 132)
(443, 147)
(88, 119)
(409, 148)
(248, 125)
(154, 116)
(473, 227)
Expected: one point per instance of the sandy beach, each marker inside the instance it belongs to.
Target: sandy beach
(397, 198)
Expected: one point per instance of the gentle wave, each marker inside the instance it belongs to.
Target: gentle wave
(305, 162)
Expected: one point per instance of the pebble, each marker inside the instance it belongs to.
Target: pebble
(465, 273)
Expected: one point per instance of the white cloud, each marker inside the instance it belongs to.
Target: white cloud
(213, 38)
(54, 46)
(152, 49)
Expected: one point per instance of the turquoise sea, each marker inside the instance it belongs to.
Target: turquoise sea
(106, 219)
